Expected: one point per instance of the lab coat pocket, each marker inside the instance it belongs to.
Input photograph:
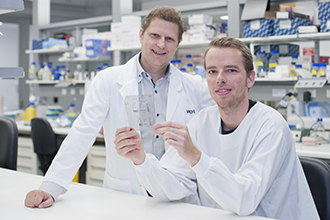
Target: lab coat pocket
(116, 184)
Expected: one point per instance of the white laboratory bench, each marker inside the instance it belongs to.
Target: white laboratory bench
(321, 151)
(86, 202)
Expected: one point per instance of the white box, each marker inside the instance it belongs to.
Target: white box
(116, 27)
(199, 19)
(131, 18)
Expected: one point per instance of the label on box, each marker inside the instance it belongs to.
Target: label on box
(255, 25)
(285, 24)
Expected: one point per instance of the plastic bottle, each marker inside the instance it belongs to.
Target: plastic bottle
(315, 69)
(30, 112)
(105, 65)
(46, 73)
(72, 113)
(260, 64)
(98, 69)
(41, 72)
(33, 71)
(190, 69)
(273, 61)
(188, 59)
(292, 70)
(323, 70)
(178, 64)
(77, 72)
(182, 69)
(318, 131)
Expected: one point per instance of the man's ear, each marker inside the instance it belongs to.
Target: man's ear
(251, 79)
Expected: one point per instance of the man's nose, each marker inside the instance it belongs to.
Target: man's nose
(161, 43)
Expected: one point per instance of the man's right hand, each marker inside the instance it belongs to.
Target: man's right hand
(128, 143)
(38, 198)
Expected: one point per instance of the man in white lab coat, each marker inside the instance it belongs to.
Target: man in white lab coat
(240, 152)
(177, 97)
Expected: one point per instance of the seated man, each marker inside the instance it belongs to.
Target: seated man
(240, 152)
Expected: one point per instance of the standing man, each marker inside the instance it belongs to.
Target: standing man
(177, 97)
(240, 152)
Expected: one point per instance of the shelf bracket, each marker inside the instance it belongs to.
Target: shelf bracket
(310, 83)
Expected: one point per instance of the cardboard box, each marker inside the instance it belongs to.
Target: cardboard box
(289, 26)
(97, 47)
(324, 10)
(284, 7)
(258, 28)
(325, 25)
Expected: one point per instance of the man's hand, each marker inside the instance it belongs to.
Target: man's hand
(38, 198)
(177, 135)
(128, 144)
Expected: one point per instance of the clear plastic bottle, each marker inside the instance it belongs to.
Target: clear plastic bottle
(105, 65)
(77, 72)
(318, 131)
(323, 70)
(260, 64)
(273, 61)
(33, 71)
(182, 69)
(292, 70)
(188, 59)
(41, 72)
(178, 64)
(315, 69)
(190, 69)
(46, 73)
(72, 113)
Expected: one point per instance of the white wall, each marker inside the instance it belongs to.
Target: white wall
(9, 58)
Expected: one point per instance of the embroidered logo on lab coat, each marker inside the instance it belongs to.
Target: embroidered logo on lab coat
(191, 111)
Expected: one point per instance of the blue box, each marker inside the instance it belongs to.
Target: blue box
(325, 25)
(37, 44)
(264, 29)
(97, 47)
(289, 26)
(324, 10)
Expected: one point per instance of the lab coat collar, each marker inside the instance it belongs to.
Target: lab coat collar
(129, 78)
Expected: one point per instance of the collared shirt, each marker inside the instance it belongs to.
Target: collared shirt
(154, 143)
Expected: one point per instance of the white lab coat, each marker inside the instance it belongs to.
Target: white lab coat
(104, 106)
(253, 170)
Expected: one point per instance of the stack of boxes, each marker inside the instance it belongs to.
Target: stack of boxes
(97, 44)
(324, 16)
(126, 32)
(270, 26)
(200, 28)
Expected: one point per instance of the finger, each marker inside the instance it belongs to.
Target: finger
(127, 142)
(122, 129)
(38, 198)
(168, 124)
(125, 135)
(47, 203)
(126, 150)
(28, 200)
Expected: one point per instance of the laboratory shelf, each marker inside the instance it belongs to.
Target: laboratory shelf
(50, 82)
(284, 79)
(84, 59)
(49, 51)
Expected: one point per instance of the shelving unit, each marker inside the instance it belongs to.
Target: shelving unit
(49, 51)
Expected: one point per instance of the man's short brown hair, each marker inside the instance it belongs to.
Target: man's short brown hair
(234, 43)
(166, 13)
